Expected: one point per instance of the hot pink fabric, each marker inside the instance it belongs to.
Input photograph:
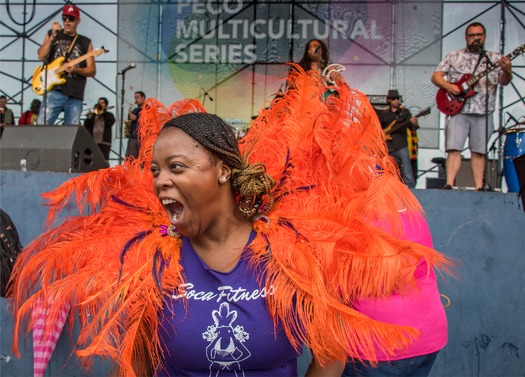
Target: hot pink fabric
(420, 308)
(43, 348)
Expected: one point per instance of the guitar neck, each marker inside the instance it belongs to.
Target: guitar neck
(81, 59)
(492, 66)
(402, 124)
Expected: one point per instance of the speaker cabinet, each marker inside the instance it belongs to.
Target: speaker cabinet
(50, 148)
(464, 177)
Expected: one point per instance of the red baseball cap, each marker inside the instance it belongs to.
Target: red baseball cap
(71, 10)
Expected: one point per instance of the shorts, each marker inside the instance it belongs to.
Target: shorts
(461, 126)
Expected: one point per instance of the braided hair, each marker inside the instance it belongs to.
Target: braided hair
(249, 181)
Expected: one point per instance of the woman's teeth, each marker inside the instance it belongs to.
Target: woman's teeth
(173, 208)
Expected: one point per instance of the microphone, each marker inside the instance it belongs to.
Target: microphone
(207, 94)
(316, 51)
(131, 66)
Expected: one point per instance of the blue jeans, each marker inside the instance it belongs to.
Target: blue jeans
(419, 366)
(58, 102)
(406, 167)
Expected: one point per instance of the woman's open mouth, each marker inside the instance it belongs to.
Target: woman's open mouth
(174, 209)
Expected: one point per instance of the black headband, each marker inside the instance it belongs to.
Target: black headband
(211, 132)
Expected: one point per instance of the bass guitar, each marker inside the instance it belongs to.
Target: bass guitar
(394, 126)
(55, 70)
(452, 104)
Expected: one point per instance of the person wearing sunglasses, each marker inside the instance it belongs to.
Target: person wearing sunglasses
(65, 42)
(395, 120)
(473, 119)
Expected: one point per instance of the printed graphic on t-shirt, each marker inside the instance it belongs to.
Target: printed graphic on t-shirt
(226, 347)
(222, 313)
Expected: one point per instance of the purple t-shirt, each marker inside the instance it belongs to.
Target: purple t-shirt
(224, 329)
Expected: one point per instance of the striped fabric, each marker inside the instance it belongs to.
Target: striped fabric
(43, 348)
(413, 143)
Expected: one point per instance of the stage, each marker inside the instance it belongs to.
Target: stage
(481, 231)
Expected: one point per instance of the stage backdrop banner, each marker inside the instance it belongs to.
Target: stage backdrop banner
(232, 55)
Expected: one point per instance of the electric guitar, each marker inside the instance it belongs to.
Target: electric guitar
(394, 126)
(450, 104)
(55, 70)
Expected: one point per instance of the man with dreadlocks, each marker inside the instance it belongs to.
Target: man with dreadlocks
(203, 257)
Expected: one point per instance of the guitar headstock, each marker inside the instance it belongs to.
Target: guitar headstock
(100, 51)
(424, 112)
(518, 51)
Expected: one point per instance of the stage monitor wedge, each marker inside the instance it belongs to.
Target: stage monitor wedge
(50, 148)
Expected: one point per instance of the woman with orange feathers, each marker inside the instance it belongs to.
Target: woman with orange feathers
(204, 257)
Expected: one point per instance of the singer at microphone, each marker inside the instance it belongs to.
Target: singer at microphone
(69, 95)
(131, 66)
(313, 58)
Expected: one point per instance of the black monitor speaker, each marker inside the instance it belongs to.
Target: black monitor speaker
(50, 148)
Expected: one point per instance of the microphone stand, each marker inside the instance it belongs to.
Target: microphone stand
(203, 96)
(46, 62)
(486, 184)
(497, 176)
(121, 141)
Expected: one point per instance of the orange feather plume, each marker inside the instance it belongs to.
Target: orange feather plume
(80, 261)
(335, 180)
(325, 247)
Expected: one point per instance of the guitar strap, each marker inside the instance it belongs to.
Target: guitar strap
(71, 46)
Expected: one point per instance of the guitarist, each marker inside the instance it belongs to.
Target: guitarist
(397, 142)
(470, 121)
(68, 43)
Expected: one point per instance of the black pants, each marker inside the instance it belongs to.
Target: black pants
(105, 149)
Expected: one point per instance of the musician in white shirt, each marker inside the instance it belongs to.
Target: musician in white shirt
(473, 119)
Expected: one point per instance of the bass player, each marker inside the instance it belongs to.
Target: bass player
(67, 97)
(474, 119)
(395, 120)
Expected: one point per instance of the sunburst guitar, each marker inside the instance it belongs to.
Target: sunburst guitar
(394, 126)
(55, 70)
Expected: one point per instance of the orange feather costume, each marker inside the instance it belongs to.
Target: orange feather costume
(322, 251)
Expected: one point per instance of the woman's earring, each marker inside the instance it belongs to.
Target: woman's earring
(223, 179)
